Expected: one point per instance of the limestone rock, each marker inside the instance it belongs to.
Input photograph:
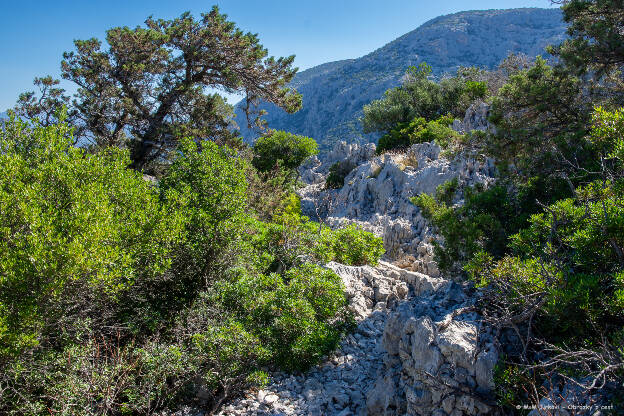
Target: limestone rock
(376, 196)
(458, 344)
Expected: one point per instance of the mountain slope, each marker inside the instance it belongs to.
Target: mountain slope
(334, 93)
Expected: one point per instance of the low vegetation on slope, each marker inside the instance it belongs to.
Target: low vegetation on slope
(121, 294)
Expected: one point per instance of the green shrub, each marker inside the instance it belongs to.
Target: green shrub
(354, 246)
(267, 191)
(572, 251)
(486, 219)
(120, 296)
(75, 229)
(563, 273)
(418, 131)
(337, 173)
(280, 148)
(292, 238)
(569, 252)
(299, 316)
(207, 185)
(420, 96)
(476, 89)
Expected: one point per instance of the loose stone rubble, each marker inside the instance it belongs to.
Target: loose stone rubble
(418, 347)
(383, 367)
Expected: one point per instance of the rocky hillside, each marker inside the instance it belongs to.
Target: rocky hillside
(334, 93)
(418, 347)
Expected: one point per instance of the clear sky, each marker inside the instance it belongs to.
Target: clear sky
(34, 34)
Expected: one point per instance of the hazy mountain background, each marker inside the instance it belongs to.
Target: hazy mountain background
(334, 93)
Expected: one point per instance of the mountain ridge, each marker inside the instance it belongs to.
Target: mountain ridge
(335, 92)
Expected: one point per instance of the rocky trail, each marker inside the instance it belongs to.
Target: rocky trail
(418, 347)
(409, 326)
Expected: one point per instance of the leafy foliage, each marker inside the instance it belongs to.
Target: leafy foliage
(123, 296)
(71, 223)
(542, 117)
(421, 97)
(352, 245)
(150, 86)
(207, 185)
(486, 219)
(290, 237)
(282, 149)
(299, 316)
(572, 254)
(337, 173)
(416, 131)
(596, 42)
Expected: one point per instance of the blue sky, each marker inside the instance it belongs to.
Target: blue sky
(35, 33)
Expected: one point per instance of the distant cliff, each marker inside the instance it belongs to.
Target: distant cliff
(334, 93)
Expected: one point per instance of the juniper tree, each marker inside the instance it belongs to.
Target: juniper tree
(156, 83)
(596, 30)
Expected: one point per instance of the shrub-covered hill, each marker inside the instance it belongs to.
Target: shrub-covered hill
(334, 93)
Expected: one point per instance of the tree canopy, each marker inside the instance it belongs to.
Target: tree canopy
(284, 149)
(157, 83)
(421, 96)
(596, 33)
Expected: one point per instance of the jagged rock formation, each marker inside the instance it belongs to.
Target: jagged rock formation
(377, 193)
(377, 196)
(438, 361)
(334, 93)
(419, 348)
(390, 364)
(314, 171)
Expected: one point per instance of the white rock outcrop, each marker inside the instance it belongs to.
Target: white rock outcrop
(418, 348)
(377, 193)
(314, 171)
(395, 360)
(438, 357)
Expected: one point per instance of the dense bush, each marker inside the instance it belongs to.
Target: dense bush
(352, 245)
(207, 185)
(268, 192)
(486, 219)
(75, 229)
(337, 173)
(570, 255)
(416, 131)
(420, 96)
(572, 251)
(299, 316)
(280, 148)
(123, 296)
(291, 238)
(557, 282)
